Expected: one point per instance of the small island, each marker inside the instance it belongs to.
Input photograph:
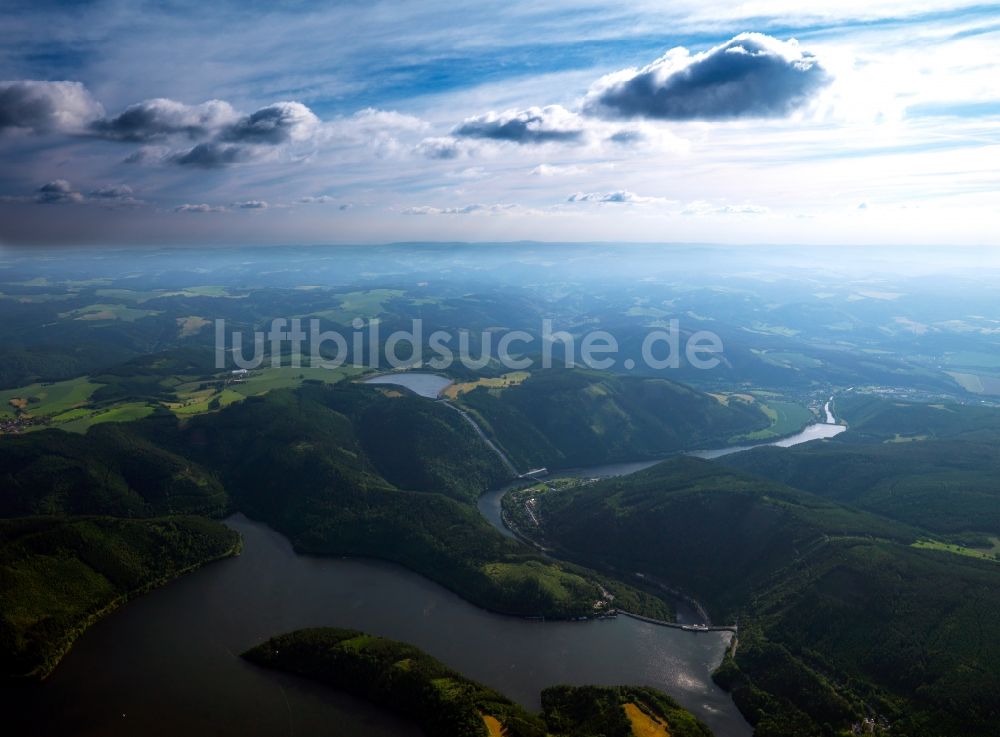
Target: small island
(444, 703)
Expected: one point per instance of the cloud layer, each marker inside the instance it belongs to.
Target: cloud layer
(749, 76)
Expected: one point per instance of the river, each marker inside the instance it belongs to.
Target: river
(167, 663)
(490, 502)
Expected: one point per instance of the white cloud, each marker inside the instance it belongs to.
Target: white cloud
(474, 209)
(620, 196)
(199, 208)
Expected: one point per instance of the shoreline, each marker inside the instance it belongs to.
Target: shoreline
(40, 673)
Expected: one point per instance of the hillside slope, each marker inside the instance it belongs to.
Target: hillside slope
(560, 418)
(841, 619)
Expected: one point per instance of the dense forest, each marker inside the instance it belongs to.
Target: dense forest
(842, 618)
(935, 466)
(444, 703)
(562, 418)
(313, 463)
(837, 558)
(58, 575)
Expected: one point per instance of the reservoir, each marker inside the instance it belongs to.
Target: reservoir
(489, 503)
(426, 385)
(167, 663)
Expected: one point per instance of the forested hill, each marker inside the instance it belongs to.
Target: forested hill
(560, 418)
(347, 469)
(932, 465)
(709, 530)
(841, 617)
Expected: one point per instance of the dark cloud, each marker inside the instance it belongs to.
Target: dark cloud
(57, 191)
(549, 124)
(39, 107)
(440, 148)
(157, 119)
(750, 76)
(114, 196)
(274, 124)
(213, 155)
(119, 192)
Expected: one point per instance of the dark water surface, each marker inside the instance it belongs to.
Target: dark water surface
(167, 663)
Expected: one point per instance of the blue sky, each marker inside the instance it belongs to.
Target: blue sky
(753, 122)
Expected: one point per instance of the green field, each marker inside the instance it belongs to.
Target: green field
(138, 296)
(120, 413)
(287, 377)
(98, 312)
(367, 304)
(42, 400)
(786, 418)
(990, 555)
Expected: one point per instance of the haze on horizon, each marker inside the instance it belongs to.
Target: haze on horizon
(849, 122)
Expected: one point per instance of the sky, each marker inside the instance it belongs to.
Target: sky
(767, 121)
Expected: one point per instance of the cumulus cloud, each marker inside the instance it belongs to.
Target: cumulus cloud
(750, 76)
(199, 208)
(374, 120)
(474, 209)
(550, 124)
(444, 148)
(280, 122)
(118, 192)
(620, 196)
(225, 136)
(31, 106)
(160, 118)
(318, 200)
(57, 191)
(212, 155)
(120, 195)
(251, 205)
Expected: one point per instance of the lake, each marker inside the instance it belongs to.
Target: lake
(167, 663)
(426, 385)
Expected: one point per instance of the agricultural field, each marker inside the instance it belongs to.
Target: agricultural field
(98, 312)
(498, 382)
(992, 554)
(40, 400)
(786, 418)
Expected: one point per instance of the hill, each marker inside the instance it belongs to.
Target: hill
(111, 470)
(840, 618)
(58, 576)
(299, 459)
(708, 530)
(935, 466)
(560, 418)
